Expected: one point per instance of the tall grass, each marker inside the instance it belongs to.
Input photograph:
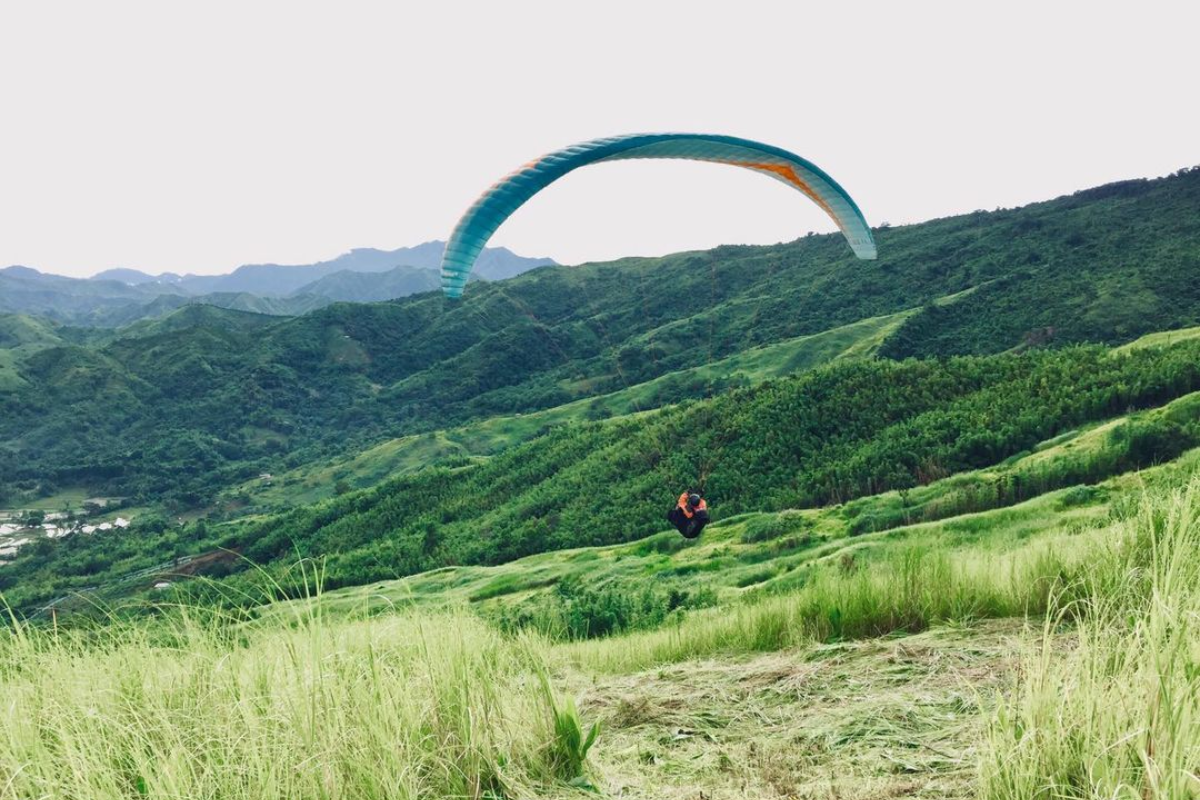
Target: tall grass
(440, 704)
(1117, 716)
(907, 592)
(403, 707)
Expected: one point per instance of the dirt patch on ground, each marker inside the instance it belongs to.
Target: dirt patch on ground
(881, 718)
(205, 563)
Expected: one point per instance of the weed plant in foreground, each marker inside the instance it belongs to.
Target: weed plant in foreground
(1119, 715)
(906, 592)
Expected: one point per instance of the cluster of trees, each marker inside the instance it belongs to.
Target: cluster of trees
(575, 610)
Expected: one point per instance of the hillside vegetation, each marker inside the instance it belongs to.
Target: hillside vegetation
(320, 479)
(178, 417)
(825, 437)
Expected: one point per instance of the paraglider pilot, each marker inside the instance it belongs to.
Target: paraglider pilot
(690, 514)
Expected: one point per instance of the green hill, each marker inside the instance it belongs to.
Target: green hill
(773, 552)
(20, 335)
(20, 331)
(362, 287)
(824, 437)
(116, 297)
(347, 377)
(317, 480)
(197, 315)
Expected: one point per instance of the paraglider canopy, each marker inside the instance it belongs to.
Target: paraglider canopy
(499, 202)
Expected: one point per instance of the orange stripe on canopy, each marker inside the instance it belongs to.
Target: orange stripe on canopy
(789, 175)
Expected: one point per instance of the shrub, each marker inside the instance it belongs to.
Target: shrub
(1080, 496)
(766, 527)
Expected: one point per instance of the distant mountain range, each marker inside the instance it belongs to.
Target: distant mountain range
(366, 287)
(118, 297)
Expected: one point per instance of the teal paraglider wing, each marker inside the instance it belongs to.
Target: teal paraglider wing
(496, 204)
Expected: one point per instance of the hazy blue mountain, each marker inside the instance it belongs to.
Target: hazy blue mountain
(27, 291)
(130, 277)
(120, 296)
(366, 287)
(280, 280)
(19, 278)
(499, 263)
(113, 303)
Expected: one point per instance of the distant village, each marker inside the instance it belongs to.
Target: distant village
(19, 528)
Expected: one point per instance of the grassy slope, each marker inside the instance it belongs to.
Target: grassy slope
(528, 500)
(737, 700)
(798, 694)
(721, 560)
(771, 552)
(741, 702)
(869, 719)
(1162, 339)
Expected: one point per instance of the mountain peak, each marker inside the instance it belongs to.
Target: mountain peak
(132, 277)
(120, 295)
(18, 271)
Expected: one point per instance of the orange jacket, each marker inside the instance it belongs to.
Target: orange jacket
(686, 509)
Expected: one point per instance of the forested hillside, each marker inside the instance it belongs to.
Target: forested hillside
(176, 415)
(824, 437)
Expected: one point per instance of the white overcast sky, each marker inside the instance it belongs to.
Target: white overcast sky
(199, 136)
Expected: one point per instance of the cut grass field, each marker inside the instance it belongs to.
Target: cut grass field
(891, 717)
(884, 680)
